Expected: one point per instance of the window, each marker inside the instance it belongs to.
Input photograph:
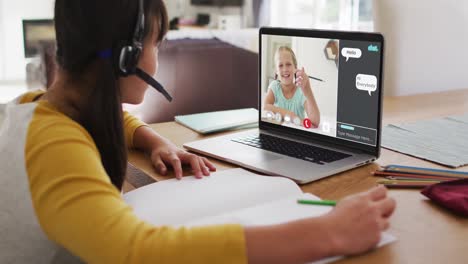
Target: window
(2, 49)
(326, 14)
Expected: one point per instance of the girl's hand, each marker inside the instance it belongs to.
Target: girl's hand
(302, 81)
(357, 222)
(169, 154)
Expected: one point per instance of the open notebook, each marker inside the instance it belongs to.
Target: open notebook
(228, 196)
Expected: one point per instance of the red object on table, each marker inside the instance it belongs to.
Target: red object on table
(452, 195)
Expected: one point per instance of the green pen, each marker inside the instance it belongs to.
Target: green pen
(317, 202)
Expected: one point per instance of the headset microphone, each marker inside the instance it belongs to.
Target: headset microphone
(151, 81)
(129, 56)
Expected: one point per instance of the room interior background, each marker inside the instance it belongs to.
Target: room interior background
(439, 25)
(336, 14)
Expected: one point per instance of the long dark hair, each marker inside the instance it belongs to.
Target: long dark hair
(83, 29)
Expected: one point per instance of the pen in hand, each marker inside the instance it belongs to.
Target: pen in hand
(317, 79)
(317, 202)
(311, 77)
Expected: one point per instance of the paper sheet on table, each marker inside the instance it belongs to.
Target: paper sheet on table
(441, 140)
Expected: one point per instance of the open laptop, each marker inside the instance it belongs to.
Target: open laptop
(310, 142)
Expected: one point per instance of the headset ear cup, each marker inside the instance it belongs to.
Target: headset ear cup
(122, 62)
(128, 60)
(130, 51)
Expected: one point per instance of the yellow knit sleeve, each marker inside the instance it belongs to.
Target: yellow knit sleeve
(131, 124)
(79, 208)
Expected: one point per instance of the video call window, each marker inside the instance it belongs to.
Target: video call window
(322, 86)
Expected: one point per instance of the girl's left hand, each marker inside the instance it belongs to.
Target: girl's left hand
(169, 154)
(302, 80)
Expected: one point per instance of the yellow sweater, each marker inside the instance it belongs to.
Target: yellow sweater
(77, 206)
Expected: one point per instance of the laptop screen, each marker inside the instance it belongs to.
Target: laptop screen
(322, 85)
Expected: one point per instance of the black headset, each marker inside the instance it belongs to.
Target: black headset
(129, 55)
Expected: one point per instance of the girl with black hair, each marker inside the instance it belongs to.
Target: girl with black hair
(64, 152)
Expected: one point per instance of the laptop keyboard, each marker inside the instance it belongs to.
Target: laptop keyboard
(292, 149)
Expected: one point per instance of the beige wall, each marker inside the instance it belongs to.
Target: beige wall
(425, 45)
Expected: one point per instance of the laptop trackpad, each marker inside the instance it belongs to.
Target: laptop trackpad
(258, 156)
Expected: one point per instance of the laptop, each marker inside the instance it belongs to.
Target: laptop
(311, 129)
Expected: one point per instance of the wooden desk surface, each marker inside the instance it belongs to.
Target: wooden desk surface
(426, 233)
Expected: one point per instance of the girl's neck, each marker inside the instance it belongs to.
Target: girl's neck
(288, 90)
(289, 87)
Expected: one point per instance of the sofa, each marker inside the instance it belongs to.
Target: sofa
(202, 75)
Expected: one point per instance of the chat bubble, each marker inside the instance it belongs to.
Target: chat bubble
(351, 53)
(366, 82)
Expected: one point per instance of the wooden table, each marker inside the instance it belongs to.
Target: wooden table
(426, 233)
